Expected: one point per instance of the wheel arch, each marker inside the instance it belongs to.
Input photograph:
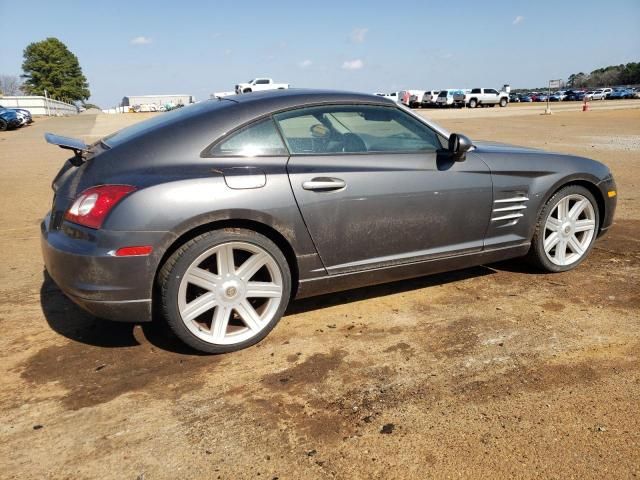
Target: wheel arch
(259, 227)
(582, 182)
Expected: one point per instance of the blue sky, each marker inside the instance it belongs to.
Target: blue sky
(197, 47)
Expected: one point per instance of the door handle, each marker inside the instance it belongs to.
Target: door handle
(324, 184)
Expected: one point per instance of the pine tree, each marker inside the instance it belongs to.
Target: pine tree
(49, 65)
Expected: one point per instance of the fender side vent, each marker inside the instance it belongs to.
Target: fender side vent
(508, 211)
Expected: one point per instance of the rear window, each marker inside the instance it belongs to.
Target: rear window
(163, 119)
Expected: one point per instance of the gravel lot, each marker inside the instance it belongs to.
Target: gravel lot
(491, 372)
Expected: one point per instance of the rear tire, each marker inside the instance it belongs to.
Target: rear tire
(566, 230)
(3, 125)
(224, 290)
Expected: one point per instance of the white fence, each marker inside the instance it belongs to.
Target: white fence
(39, 105)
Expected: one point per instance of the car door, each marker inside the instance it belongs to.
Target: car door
(374, 192)
(491, 95)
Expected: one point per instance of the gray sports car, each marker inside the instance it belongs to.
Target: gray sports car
(215, 216)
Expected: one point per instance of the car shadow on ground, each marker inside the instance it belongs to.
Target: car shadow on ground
(72, 322)
(382, 290)
(69, 320)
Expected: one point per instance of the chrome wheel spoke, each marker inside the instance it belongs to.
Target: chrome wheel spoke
(551, 241)
(553, 224)
(249, 268)
(584, 225)
(202, 278)
(561, 251)
(248, 315)
(198, 306)
(563, 209)
(263, 289)
(220, 322)
(224, 258)
(577, 209)
(575, 245)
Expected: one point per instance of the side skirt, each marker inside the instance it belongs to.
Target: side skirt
(347, 281)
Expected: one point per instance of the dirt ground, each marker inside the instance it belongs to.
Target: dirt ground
(490, 372)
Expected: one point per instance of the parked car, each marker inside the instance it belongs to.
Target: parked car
(558, 96)
(391, 96)
(415, 98)
(259, 85)
(9, 119)
(620, 93)
(524, 98)
(598, 95)
(450, 97)
(251, 204)
(539, 97)
(23, 114)
(429, 98)
(514, 98)
(486, 96)
(573, 95)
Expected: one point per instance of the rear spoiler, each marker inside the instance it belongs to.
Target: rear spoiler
(78, 146)
(65, 142)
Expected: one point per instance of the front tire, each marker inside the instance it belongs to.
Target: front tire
(224, 290)
(566, 230)
(503, 102)
(4, 126)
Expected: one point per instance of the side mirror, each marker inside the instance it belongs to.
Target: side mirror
(458, 146)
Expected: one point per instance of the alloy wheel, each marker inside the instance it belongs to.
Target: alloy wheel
(569, 230)
(230, 293)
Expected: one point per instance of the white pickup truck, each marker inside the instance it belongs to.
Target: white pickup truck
(259, 85)
(486, 96)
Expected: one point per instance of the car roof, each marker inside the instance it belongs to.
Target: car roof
(277, 99)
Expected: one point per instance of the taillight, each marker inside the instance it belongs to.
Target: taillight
(94, 204)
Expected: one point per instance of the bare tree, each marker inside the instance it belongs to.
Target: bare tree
(10, 85)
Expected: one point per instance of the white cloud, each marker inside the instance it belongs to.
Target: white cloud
(356, 64)
(141, 40)
(358, 35)
(518, 19)
(305, 63)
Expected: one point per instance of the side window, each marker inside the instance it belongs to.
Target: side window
(491, 90)
(255, 140)
(354, 129)
(262, 81)
(476, 90)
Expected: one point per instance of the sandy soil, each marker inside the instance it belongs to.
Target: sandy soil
(490, 372)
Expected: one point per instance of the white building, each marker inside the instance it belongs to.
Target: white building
(157, 100)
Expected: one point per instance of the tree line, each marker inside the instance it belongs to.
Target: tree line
(628, 74)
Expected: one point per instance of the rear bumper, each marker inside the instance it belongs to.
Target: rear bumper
(80, 261)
